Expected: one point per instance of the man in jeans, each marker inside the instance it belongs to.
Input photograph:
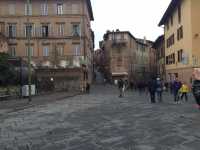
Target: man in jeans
(176, 87)
(121, 86)
(196, 92)
(159, 89)
(152, 89)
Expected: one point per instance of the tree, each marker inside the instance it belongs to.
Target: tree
(7, 74)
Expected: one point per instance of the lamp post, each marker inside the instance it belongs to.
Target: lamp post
(29, 53)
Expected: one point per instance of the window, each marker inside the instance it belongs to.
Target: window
(2, 27)
(176, 75)
(170, 41)
(167, 25)
(31, 51)
(28, 9)
(60, 50)
(61, 27)
(180, 33)
(12, 30)
(171, 19)
(173, 58)
(44, 9)
(45, 30)
(77, 49)
(179, 13)
(167, 60)
(76, 29)
(12, 51)
(60, 9)
(170, 59)
(11, 9)
(29, 30)
(118, 37)
(46, 51)
(119, 61)
(180, 55)
(75, 8)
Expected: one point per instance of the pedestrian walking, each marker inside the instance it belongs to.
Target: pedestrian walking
(126, 85)
(121, 87)
(131, 85)
(166, 85)
(87, 88)
(152, 89)
(196, 92)
(171, 87)
(159, 89)
(184, 90)
(176, 87)
(104, 81)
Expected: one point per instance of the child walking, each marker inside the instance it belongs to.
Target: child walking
(184, 90)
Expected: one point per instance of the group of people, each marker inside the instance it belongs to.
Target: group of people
(179, 90)
(156, 87)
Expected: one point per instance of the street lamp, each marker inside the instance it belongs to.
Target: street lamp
(29, 53)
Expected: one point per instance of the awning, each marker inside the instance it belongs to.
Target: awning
(119, 74)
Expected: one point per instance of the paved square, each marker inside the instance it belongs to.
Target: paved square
(102, 121)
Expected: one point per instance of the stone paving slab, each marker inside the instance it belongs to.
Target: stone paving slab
(102, 121)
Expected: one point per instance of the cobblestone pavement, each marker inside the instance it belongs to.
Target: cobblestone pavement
(102, 121)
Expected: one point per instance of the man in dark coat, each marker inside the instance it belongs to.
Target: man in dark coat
(176, 87)
(120, 86)
(152, 89)
(87, 88)
(159, 89)
(196, 91)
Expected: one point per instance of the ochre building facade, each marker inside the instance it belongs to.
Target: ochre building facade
(182, 39)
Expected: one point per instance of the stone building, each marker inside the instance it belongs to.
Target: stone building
(152, 59)
(61, 35)
(126, 56)
(182, 39)
(119, 47)
(144, 64)
(159, 46)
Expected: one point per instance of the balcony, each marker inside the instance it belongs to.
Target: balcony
(57, 62)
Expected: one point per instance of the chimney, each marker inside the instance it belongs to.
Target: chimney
(145, 40)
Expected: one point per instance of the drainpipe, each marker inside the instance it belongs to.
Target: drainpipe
(29, 53)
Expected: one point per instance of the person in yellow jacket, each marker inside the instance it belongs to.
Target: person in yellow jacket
(184, 90)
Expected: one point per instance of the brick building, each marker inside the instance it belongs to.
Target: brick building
(126, 56)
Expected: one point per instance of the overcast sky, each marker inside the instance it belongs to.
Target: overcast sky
(140, 17)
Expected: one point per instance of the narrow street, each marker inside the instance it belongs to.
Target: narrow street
(102, 121)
